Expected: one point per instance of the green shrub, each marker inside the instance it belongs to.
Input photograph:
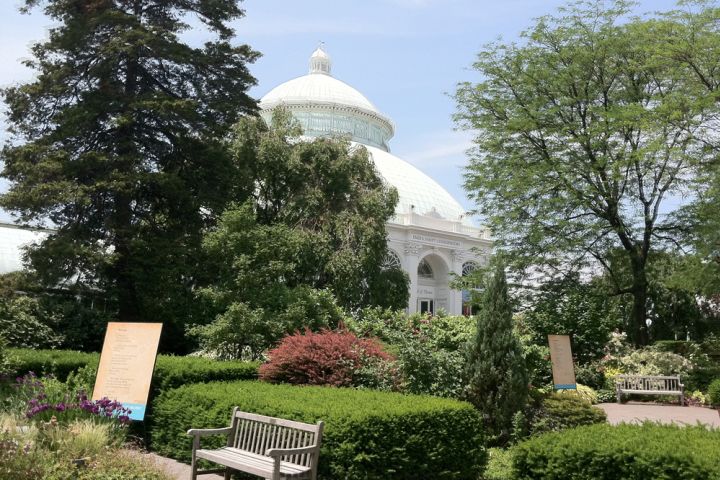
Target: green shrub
(26, 323)
(173, 372)
(499, 465)
(52, 362)
(7, 360)
(681, 347)
(630, 452)
(701, 377)
(591, 374)
(170, 371)
(430, 351)
(714, 392)
(554, 412)
(559, 412)
(606, 396)
(368, 434)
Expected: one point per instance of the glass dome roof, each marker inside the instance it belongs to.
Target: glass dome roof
(324, 105)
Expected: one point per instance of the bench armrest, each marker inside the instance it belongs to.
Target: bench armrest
(279, 452)
(204, 432)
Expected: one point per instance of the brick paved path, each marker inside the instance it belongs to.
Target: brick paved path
(632, 412)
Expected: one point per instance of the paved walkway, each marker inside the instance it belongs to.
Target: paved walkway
(175, 469)
(632, 412)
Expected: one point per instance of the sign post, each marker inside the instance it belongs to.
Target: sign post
(126, 365)
(562, 362)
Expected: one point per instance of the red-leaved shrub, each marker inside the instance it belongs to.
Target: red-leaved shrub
(337, 358)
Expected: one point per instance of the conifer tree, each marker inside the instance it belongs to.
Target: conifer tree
(495, 368)
(116, 144)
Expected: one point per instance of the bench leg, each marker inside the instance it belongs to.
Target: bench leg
(682, 399)
(619, 396)
(228, 473)
(193, 463)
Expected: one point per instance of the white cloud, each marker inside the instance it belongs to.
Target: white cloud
(439, 149)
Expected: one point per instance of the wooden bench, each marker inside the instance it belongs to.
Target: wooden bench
(271, 448)
(649, 385)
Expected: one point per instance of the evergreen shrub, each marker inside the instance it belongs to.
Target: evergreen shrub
(714, 392)
(368, 433)
(630, 452)
(495, 369)
(170, 371)
(59, 363)
(560, 411)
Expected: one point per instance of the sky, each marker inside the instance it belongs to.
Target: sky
(405, 56)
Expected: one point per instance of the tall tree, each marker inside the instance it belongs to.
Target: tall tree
(496, 371)
(115, 143)
(586, 132)
(329, 192)
(306, 237)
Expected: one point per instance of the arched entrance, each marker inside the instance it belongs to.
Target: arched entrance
(432, 284)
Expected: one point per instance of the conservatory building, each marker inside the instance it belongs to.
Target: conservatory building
(430, 236)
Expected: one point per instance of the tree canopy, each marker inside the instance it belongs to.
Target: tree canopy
(116, 145)
(305, 240)
(587, 134)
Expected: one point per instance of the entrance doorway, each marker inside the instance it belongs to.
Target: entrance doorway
(426, 305)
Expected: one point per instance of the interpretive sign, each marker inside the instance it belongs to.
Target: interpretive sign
(562, 362)
(126, 365)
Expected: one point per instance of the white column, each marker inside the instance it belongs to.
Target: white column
(410, 264)
(455, 299)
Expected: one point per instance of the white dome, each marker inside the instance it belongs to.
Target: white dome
(319, 90)
(324, 106)
(418, 192)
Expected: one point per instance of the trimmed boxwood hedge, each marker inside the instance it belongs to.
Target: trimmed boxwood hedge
(59, 363)
(631, 452)
(368, 434)
(170, 371)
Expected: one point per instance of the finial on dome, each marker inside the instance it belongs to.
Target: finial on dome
(320, 61)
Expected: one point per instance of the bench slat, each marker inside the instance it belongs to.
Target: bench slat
(251, 463)
(649, 385)
(251, 436)
(276, 421)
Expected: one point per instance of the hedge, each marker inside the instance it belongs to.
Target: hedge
(59, 363)
(170, 371)
(631, 452)
(368, 433)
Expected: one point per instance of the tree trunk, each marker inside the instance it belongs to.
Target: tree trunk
(638, 316)
(129, 309)
(125, 278)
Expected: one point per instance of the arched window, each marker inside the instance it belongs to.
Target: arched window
(424, 269)
(468, 268)
(391, 261)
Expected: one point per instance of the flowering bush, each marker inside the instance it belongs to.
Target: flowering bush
(337, 358)
(44, 398)
(621, 358)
